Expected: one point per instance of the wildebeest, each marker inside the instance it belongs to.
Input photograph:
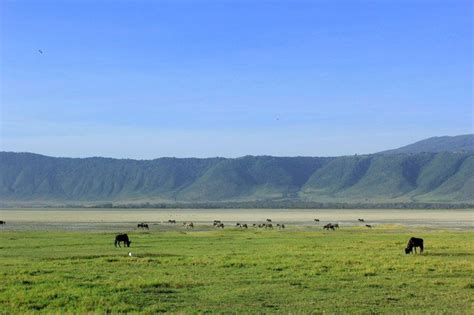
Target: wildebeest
(336, 225)
(413, 243)
(245, 226)
(122, 238)
(238, 224)
(142, 226)
(369, 226)
(361, 220)
(188, 225)
(328, 226)
(220, 225)
(269, 220)
(172, 221)
(3, 222)
(280, 226)
(254, 225)
(269, 226)
(316, 220)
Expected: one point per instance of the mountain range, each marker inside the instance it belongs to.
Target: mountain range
(438, 144)
(439, 169)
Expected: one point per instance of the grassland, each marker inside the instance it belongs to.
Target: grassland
(298, 270)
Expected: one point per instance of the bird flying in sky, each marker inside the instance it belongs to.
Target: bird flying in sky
(40, 51)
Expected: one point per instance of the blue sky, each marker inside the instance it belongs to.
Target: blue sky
(145, 79)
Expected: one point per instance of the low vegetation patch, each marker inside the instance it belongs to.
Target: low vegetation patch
(291, 271)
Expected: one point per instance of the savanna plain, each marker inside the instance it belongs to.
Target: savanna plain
(299, 269)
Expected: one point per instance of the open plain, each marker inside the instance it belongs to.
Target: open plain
(63, 260)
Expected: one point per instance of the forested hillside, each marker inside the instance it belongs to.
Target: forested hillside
(421, 177)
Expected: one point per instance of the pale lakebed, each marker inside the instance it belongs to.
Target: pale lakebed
(120, 219)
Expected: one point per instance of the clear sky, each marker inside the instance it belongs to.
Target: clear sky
(145, 79)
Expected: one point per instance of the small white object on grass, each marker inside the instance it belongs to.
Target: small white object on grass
(130, 254)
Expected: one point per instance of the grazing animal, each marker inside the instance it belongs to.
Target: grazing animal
(188, 225)
(413, 243)
(142, 226)
(238, 224)
(328, 226)
(316, 220)
(336, 225)
(172, 221)
(254, 225)
(220, 225)
(269, 220)
(3, 222)
(269, 226)
(122, 238)
(361, 220)
(281, 226)
(369, 226)
(245, 226)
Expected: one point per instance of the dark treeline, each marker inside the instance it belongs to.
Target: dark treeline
(280, 205)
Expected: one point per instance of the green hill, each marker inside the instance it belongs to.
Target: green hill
(422, 177)
(462, 143)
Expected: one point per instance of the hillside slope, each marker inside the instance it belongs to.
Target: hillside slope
(438, 144)
(427, 177)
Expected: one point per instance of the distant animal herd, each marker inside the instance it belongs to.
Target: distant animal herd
(413, 242)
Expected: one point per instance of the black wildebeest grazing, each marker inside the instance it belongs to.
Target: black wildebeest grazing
(238, 224)
(328, 226)
(413, 243)
(280, 226)
(269, 226)
(361, 220)
(188, 225)
(316, 220)
(122, 238)
(336, 225)
(369, 226)
(3, 222)
(269, 220)
(245, 226)
(220, 225)
(172, 221)
(143, 226)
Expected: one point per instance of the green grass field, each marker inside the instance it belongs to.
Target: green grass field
(298, 270)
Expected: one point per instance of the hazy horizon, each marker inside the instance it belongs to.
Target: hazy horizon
(206, 78)
(210, 157)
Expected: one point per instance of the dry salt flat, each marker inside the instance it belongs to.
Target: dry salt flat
(111, 219)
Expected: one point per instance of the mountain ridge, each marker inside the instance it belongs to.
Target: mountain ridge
(422, 177)
(457, 143)
(401, 175)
